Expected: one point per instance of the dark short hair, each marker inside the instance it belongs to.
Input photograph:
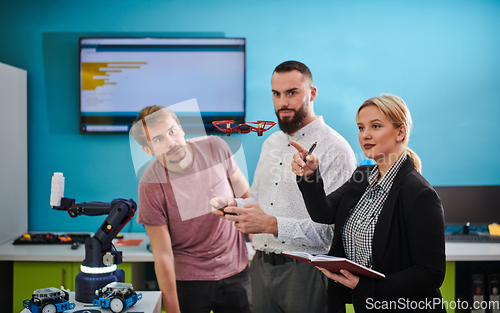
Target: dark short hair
(289, 66)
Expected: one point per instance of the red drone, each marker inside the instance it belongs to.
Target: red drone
(244, 128)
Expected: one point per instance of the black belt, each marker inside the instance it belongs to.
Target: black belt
(274, 258)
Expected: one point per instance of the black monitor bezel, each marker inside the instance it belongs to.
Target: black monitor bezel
(476, 205)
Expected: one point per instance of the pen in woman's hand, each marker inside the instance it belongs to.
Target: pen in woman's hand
(304, 165)
(310, 151)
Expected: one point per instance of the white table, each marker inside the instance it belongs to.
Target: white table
(472, 251)
(63, 253)
(150, 303)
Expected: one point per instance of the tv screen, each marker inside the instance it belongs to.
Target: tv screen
(477, 205)
(120, 76)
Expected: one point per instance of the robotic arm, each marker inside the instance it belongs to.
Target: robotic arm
(101, 259)
(98, 249)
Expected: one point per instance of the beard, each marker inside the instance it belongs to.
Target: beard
(290, 125)
(182, 152)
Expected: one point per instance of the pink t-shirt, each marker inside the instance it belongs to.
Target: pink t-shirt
(205, 247)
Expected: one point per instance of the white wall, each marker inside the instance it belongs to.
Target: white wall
(13, 153)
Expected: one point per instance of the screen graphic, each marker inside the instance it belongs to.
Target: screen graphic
(120, 76)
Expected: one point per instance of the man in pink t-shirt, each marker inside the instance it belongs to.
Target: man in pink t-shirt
(200, 260)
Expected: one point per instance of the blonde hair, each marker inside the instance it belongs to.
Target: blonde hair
(396, 110)
(152, 116)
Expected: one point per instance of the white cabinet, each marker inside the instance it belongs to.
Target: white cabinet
(13, 153)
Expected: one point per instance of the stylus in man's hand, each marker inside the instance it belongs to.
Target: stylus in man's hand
(310, 151)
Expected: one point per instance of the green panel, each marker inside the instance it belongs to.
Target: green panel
(29, 276)
(448, 287)
(76, 270)
(127, 267)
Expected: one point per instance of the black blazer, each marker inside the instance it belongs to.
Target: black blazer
(408, 244)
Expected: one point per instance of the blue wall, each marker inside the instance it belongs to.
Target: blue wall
(441, 57)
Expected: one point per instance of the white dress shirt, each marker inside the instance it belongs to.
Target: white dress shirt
(275, 188)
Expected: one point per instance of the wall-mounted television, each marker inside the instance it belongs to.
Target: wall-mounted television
(120, 76)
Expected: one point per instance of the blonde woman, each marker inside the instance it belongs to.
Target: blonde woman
(387, 217)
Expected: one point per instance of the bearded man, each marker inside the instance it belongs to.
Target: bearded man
(275, 211)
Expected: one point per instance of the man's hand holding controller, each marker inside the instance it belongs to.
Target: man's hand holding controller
(219, 203)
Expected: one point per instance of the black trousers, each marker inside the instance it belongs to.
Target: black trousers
(232, 294)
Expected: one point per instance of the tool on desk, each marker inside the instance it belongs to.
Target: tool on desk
(75, 245)
(310, 151)
(494, 229)
(101, 258)
(127, 242)
(50, 239)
